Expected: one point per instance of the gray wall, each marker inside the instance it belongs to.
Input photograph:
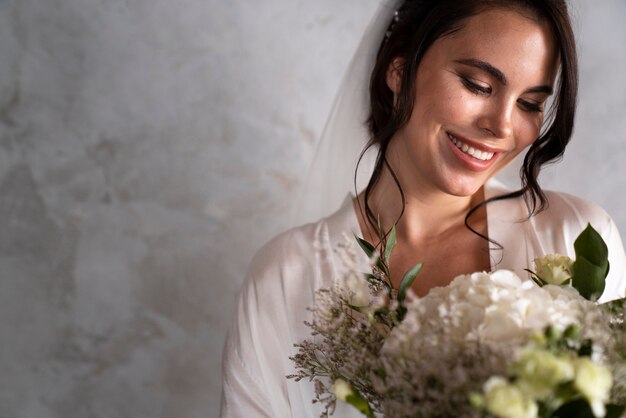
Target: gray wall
(148, 148)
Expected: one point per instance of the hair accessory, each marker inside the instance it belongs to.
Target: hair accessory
(396, 18)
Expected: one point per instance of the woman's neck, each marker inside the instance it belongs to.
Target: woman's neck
(427, 213)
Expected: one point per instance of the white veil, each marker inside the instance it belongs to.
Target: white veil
(331, 174)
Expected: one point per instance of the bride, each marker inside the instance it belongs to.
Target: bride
(457, 90)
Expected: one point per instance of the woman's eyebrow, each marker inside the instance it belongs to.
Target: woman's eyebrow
(499, 75)
(486, 67)
(541, 89)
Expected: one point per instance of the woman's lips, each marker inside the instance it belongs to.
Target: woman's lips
(477, 157)
(470, 150)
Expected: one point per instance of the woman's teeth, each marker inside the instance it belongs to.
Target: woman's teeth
(479, 155)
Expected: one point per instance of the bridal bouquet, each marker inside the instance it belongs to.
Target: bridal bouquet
(487, 345)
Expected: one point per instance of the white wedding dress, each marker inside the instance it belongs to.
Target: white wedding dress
(282, 279)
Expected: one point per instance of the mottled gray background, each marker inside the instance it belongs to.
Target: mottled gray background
(148, 148)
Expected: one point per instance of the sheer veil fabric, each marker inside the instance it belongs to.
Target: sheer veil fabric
(330, 176)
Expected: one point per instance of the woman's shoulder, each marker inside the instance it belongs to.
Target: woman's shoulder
(561, 208)
(574, 210)
(305, 249)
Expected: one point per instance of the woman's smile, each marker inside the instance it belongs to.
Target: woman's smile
(475, 156)
(479, 98)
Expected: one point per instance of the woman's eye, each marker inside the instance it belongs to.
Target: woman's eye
(531, 107)
(475, 88)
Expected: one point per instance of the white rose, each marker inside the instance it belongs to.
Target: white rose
(594, 381)
(554, 268)
(507, 401)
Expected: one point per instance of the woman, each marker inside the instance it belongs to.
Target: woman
(458, 89)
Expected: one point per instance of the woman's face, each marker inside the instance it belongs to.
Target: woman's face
(479, 101)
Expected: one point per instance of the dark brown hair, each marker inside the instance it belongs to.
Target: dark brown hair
(418, 26)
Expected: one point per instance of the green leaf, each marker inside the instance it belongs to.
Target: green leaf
(370, 251)
(368, 248)
(407, 281)
(360, 404)
(390, 244)
(538, 280)
(591, 267)
(587, 278)
(591, 246)
(615, 411)
(578, 408)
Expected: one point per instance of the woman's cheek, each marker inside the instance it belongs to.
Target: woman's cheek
(531, 128)
(462, 106)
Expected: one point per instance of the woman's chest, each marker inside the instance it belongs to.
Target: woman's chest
(443, 259)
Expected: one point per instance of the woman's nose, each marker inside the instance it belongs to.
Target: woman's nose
(496, 120)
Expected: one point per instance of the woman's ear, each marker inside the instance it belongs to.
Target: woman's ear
(394, 75)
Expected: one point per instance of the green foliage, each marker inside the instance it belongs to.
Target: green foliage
(360, 404)
(383, 265)
(580, 408)
(407, 281)
(390, 244)
(591, 265)
(370, 251)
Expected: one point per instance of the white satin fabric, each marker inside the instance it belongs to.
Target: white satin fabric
(282, 279)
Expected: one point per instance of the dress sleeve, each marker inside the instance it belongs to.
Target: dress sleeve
(269, 319)
(243, 395)
(255, 349)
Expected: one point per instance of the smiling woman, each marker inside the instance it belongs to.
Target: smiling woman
(457, 91)
(478, 104)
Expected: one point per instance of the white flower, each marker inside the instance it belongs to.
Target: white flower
(359, 291)
(594, 381)
(507, 401)
(341, 389)
(554, 268)
(496, 309)
(539, 372)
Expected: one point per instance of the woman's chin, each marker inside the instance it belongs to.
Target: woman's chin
(464, 187)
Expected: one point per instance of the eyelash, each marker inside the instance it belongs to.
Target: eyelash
(531, 107)
(475, 88)
(484, 91)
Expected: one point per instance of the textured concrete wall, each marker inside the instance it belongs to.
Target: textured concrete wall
(148, 148)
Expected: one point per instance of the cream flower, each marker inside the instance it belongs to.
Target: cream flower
(540, 371)
(508, 401)
(341, 389)
(359, 291)
(594, 381)
(554, 268)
